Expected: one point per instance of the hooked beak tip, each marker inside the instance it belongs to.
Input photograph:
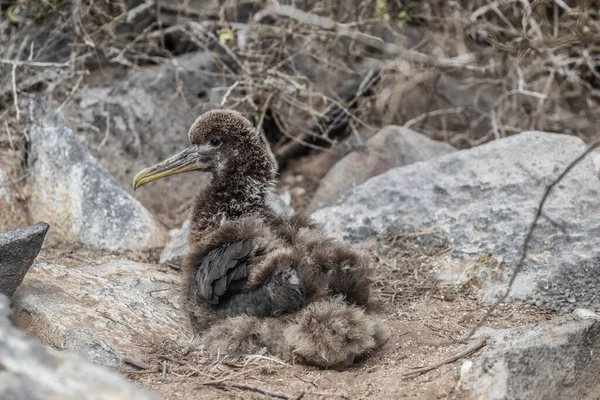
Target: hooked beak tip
(138, 179)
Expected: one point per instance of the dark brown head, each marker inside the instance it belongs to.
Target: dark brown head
(223, 143)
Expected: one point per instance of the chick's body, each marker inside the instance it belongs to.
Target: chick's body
(260, 279)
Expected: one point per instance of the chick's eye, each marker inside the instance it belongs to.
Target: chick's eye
(215, 142)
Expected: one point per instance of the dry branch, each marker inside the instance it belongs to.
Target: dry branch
(13, 75)
(464, 353)
(243, 386)
(463, 61)
(36, 63)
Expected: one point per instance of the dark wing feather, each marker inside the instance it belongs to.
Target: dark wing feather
(220, 286)
(238, 273)
(221, 266)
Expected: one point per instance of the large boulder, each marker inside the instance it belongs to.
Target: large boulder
(393, 146)
(31, 370)
(484, 199)
(18, 250)
(552, 360)
(135, 120)
(107, 313)
(77, 196)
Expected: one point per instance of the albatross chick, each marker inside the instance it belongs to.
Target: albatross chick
(257, 279)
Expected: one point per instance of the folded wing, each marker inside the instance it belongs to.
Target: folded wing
(220, 267)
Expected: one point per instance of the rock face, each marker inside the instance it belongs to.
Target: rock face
(596, 158)
(106, 313)
(150, 280)
(18, 250)
(554, 360)
(77, 196)
(178, 245)
(393, 146)
(31, 370)
(131, 122)
(484, 200)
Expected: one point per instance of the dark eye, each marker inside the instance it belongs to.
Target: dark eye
(214, 142)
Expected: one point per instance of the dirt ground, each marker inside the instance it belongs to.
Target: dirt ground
(427, 323)
(422, 333)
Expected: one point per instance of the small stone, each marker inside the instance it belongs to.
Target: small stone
(298, 191)
(18, 250)
(465, 368)
(583, 313)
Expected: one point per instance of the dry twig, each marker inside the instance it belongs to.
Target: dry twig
(243, 386)
(464, 353)
(296, 14)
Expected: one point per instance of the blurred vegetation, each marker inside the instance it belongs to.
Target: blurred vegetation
(312, 73)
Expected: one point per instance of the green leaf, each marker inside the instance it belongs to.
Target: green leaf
(226, 37)
(10, 12)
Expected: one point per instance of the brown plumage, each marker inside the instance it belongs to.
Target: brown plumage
(259, 279)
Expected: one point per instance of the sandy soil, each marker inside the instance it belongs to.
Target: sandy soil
(422, 333)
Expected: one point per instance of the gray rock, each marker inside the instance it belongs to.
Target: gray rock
(133, 121)
(106, 313)
(553, 360)
(393, 146)
(32, 371)
(582, 313)
(152, 280)
(279, 204)
(484, 200)
(77, 196)
(18, 250)
(178, 247)
(596, 158)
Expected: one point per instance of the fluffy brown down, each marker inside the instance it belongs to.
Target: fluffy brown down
(326, 333)
(293, 291)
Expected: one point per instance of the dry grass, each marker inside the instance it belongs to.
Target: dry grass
(535, 68)
(464, 72)
(403, 270)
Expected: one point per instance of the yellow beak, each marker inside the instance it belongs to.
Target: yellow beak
(187, 160)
